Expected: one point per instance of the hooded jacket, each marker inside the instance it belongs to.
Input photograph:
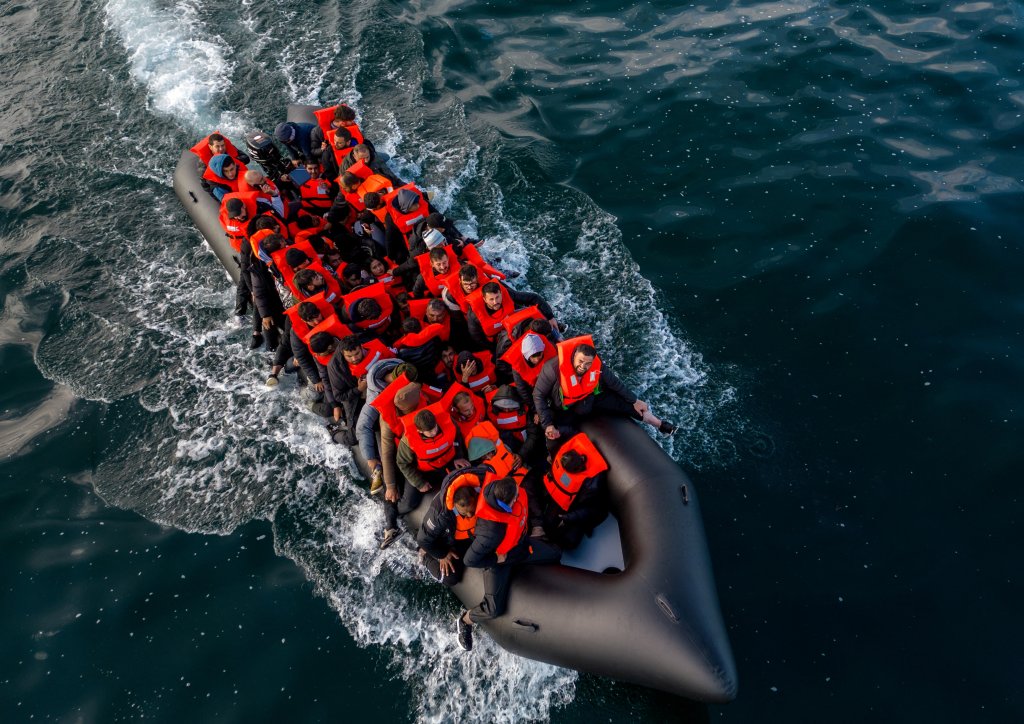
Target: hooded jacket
(437, 534)
(488, 537)
(368, 416)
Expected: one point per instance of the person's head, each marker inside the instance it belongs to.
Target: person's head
(492, 296)
(505, 400)
(426, 423)
(361, 153)
(372, 200)
(309, 280)
(323, 343)
(350, 182)
(351, 350)
(405, 368)
(582, 358)
(255, 178)
(435, 220)
(297, 259)
(469, 278)
(402, 303)
(310, 313)
(217, 143)
(440, 262)
(480, 449)
(307, 221)
(352, 274)
(312, 168)
(533, 349)
(343, 116)
(377, 267)
(342, 139)
(411, 325)
(437, 312)
(367, 309)
(463, 403)
(230, 169)
(266, 222)
(464, 501)
(273, 243)
(541, 327)
(333, 258)
(573, 462)
(408, 398)
(285, 132)
(506, 490)
(236, 209)
(448, 356)
(466, 357)
(434, 239)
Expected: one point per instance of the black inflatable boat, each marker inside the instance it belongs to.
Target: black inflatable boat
(636, 601)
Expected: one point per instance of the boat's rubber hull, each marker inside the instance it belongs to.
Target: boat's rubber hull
(657, 623)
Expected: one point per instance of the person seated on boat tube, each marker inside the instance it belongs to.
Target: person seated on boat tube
(342, 393)
(575, 385)
(437, 222)
(500, 542)
(447, 529)
(379, 375)
(256, 180)
(494, 302)
(295, 138)
(269, 306)
(573, 495)
(400, 496)
(371, 164)
(221, 177)
(311, 315)
(215, 145)
(430, 449)
(341, 116)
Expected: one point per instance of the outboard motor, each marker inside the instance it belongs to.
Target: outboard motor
(264, 152)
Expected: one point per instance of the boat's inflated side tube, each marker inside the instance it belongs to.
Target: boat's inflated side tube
(657, 623)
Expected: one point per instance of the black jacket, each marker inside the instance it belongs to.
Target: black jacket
(547, 394)
(437, 534)
(520, 299)
(489, 534)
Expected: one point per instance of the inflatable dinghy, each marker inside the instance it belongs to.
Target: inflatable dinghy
(636, 601)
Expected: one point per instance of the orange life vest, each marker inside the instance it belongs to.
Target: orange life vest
(515, 522)
(394, 283)
(490, 322)
(202, 149)
(360, 169)
(384, 403)
(378, 293)
(332, 292)
(514, 421)
(377, 184)
(418, 339)
(510, 322)
(405, 221)
(514, 357)
(434, 282)
(472, 255)
(503, 460)
(325, 119)
(316, 195)
(298, 323)
(453, 284)
(563, 486)
(464, 527)
(287, 273)
(233, 183)
(572, 387)
(235, 228)
(483, 378)
(375, 350)
(332, 326)
(418, 310)
(339, 153)
(432, 453)
(479, 412)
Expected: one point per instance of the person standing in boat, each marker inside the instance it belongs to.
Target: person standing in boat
(295, 138)
(575, 385)
(500, 542)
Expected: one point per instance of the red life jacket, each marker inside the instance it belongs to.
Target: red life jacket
(339, 153)
(418, 339)
(405, 221)
(503, 460)
(573, 388)
(243, 185)
(472, 255)
(483, 378)
(384, 403)
(510, 322)
(332, 326)
(232, 184)
(514, 421)
(287, 273)
(490, 322)
(394, 283)
(464, 527)
(433, 281)
(377, 184)
(514, 356)
(202, 149)
(515, 522)
(256, 238)
(235, 229)
(377, 292)
(432, 453)
(299, 324)
(563, 486)
(325, 119)
(332, 293)
(479, 412)
(360, 169)
(418, 310)
(375, 350)
(316, 195)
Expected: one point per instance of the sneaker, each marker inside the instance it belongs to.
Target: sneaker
(257, 341)
(464, 631)
(390, 536)
(272, 381)
(377, 481)
(666, 428)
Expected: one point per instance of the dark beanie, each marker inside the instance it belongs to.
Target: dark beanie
(294, 257)
(285, 132)
(435, 220)
(320, 343)
(234, 207)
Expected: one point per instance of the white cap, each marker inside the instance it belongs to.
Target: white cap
(532, 344)
(434, 238)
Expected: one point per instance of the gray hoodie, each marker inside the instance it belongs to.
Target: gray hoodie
(368, 416)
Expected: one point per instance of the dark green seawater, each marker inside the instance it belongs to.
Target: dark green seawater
(793, 226)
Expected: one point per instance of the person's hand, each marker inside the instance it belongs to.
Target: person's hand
(422, 555)
(460, 463)
(502, 558)
(555, 325)
(268, 322)
(641, 407)
(318, 386)
(391, 494)
(424, 489)
(447, 563)
(551, 432)
(361, 384)
(517, 462)
(467, 370)
(537, 531)
(536, 418)
(488, 388)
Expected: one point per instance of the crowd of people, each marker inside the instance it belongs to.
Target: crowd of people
(412, 346)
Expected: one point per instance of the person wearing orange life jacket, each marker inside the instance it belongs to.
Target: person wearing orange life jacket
(302, 319)
(574, 385)
(434, 268)
(379, 377)
(318, 192)
(515, 423)
(420, 346)
(256, 180)
(447, 529)
(430, 448)
(329, 120)
(315, 279)
(574, 494)
(526, 358)
(215, 145)
(500, 541)
(492, 303)
(364, 162)
(346, 373)
(383, 272)
(222, 176)
(467, 412)
(475, 371)
(340, 143)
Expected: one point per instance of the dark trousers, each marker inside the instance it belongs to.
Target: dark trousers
(411, 497)
(497, 579)
(433, 566)
(568, 421)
